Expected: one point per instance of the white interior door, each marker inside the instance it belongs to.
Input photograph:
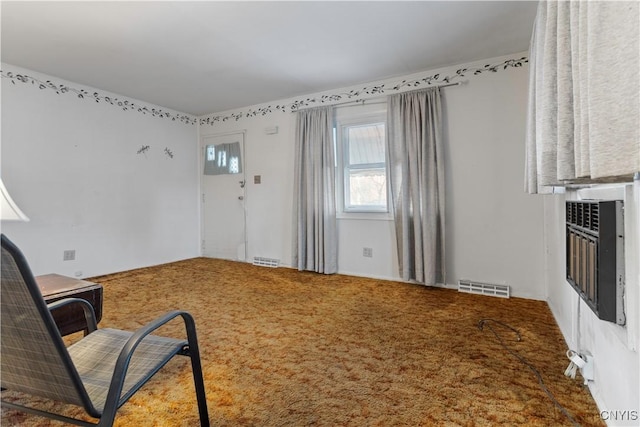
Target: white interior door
(223, 195)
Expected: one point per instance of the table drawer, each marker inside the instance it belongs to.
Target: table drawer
(71, 318)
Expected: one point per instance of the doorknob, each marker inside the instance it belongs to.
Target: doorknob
(240, 197)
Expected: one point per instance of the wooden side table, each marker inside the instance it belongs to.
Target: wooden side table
(70, 319)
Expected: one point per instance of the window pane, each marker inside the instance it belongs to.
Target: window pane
(366, 144)
(223, 159)
(368, 187)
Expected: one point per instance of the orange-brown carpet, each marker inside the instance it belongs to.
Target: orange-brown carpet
(286, 348)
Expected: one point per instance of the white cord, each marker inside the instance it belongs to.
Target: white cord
(576, 362)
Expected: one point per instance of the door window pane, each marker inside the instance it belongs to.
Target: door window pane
(223, 159)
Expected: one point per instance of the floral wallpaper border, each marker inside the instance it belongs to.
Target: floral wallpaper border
(124, 104)
(367, 91)
(355, 95)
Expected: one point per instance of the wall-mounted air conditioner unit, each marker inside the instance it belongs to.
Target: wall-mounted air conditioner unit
(595, 258)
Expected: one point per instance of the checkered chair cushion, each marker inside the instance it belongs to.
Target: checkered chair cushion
(95, 359)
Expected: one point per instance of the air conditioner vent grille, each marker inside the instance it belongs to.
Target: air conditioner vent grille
(583, 214)
(595, 217)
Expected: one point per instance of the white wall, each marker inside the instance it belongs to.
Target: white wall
(494, 231)
(268, 205)
(616, 385)
(71, 165)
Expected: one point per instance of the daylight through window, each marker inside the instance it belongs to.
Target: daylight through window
(223, 159)
(364, 167)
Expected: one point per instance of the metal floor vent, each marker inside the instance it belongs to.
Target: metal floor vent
(471, 287)
(266, 262)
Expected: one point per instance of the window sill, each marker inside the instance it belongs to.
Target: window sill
(366, 216)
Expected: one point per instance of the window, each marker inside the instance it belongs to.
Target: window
(362, 165)
(222, 159)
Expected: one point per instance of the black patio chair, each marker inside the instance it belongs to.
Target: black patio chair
(100, 372)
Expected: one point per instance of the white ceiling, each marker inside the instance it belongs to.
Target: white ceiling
(206, 57)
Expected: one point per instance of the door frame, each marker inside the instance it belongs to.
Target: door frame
(201, 195)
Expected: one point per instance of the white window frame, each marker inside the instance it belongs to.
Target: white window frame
(345, 211)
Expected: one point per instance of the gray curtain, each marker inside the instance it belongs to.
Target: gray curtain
(416, 176)
(315, 236)
(583, 122)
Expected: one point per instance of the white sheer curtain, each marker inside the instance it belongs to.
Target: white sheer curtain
(416, 176)
(584, 108)
(315, 236)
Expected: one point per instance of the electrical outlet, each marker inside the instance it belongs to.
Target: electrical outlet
(367, 252)
(69, 255)
(587, 369)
